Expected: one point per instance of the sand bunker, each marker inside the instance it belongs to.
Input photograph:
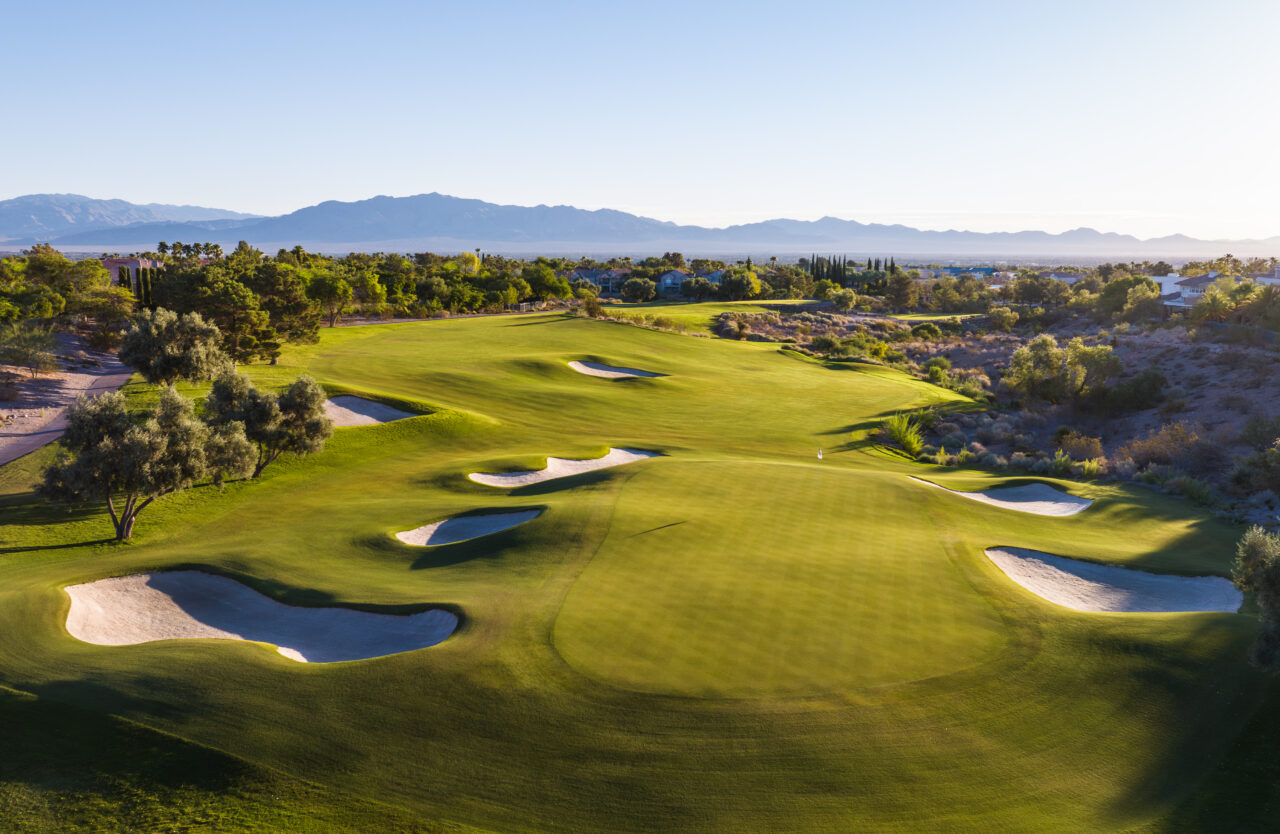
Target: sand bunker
(191, 604)
(465, 527)
(356, 411)
(560, 468)
(1040, 499)
(609, 371)
(1086, 586)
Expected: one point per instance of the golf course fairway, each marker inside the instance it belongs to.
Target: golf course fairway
(729, 636)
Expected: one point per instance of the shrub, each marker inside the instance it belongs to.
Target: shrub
(592, 307)
(1081, 447)
(1193, 488)
(927, 331)
(843, 300)
(826, 344)
(902, 430)
(1260, 432)
(1259, 471)
(1088, 469)
(1169, 444)
(1257, 569)
(1002, 318)
(1020, 460)
(1061, 463)
(937, 375)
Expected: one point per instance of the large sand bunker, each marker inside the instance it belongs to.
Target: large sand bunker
(1039, 499)
(610, 371)
(357, 411)
(465, 527)
(188, 604)
(560, 468)
(1086, 586)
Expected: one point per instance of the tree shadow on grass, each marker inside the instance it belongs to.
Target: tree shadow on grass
(560, 319)
(60, 747)
(1209, 701)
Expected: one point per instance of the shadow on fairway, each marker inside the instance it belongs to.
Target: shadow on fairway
(490, 547)
(90, 695)
(34, 547)
(1208, 708)
(556, 320)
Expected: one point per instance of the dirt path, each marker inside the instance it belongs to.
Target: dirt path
(38, 416)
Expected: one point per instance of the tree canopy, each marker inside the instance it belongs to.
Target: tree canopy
(165, 347)
(109, 457)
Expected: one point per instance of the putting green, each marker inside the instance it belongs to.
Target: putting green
(794, 579)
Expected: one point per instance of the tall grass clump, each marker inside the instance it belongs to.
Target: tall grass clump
(902, 429)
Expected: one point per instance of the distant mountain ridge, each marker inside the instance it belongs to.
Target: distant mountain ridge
(45, 216)
(443, 223)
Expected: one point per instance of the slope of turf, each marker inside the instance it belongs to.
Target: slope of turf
(824, 580)
(918, 689)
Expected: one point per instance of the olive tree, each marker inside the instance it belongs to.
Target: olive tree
(165, 347)
(108, 456)
(1257, 569)
(292, 422)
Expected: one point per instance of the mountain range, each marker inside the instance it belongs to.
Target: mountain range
(441, 223)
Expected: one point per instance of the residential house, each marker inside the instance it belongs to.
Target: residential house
(670, 281)
(1267, 279)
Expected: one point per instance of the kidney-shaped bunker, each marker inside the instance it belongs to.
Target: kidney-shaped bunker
(188, 604)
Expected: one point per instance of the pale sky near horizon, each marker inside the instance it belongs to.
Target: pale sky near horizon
(1147, 118)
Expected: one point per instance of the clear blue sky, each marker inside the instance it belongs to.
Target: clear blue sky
(1141, 117)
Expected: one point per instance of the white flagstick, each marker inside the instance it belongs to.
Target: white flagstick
(819, 454)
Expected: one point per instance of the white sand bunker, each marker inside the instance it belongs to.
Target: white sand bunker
(609, 371)
(1040, 499)
(191, 604)
(1086, 586)
(560, 468)
(465, 527)
(357, 411)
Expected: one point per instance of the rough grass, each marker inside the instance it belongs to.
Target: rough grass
(858, 663)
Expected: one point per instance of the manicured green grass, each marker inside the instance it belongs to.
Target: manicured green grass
(698, 316)
(822, 579)
(730, 637)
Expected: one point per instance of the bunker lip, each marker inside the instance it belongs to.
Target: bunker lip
(1088, 586)
(191, 604)
(610, 371)
(560, 468)
(347, 410)
(465, 527)
(1038, 499)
